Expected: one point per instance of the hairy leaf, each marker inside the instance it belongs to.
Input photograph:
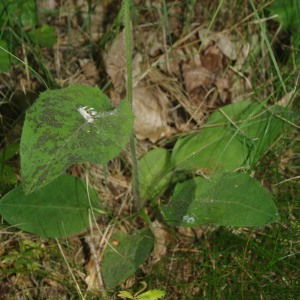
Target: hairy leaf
(69, 126)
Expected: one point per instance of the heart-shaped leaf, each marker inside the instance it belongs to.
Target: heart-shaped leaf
(124, 255)
(60, 209)
(69, 126)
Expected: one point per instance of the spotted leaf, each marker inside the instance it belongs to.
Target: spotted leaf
(67, 126)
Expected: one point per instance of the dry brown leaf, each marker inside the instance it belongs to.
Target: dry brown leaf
(90, 72)
(188, 234)
(212, 59)
(150, 103)
(175, 21)
(223, 86)
(170, 62)
(150, 107)
(286, 99)
(151, 40)
(172, 87)
(233, 49)
(161, 236)
(196, 76)
(229, 48)
(199, 76)
(115, 63)
(211, 78)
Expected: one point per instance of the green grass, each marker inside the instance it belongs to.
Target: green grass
(225, 264)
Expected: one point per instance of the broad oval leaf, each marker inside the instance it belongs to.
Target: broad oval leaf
(154, 172)
(212, 149)
(60, 209)
(124, 254)
(44, 36)
(229, 199)
(69, 126)
(235, 137)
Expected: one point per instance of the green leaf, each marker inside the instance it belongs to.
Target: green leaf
(151, 295)
(60, 209)
(10, 151)
(7, 175)
(287, 12)
(124, 255)
(4, 57)
(60, 130)
(44, 36)
(229, 199)
(125, 294)
(296, 45)
(235, 137)
(21, 12)
(153, 172)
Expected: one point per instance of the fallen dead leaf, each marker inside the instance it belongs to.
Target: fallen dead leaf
(90, 75)
(188, 234)
(161, 236)
(223, 86)
(150, 107)
(212, 59)
(196, 76)
(150, 104)
(286, 99)
(115, 63)
(172, 63)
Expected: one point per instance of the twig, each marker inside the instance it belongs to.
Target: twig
(69, 268)
(90, 241)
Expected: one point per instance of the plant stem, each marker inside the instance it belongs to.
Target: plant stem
(128, 43)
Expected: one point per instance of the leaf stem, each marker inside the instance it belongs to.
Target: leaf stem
(128, 44)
